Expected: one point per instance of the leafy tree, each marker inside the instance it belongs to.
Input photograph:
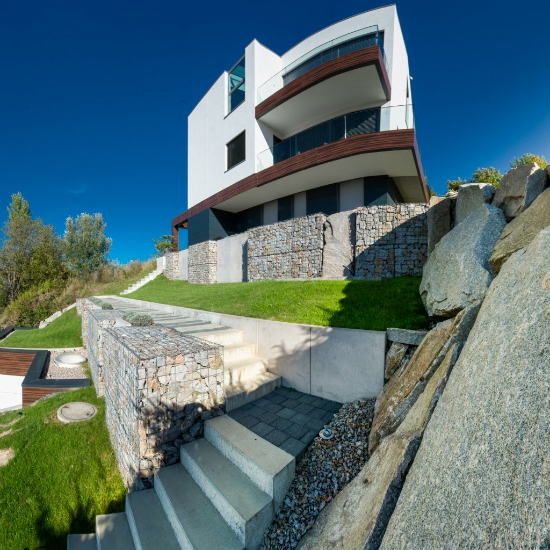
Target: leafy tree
(31, 252)
(165, 243)
(453, 185)
(528, 158)
(86, 246)
(487, 175)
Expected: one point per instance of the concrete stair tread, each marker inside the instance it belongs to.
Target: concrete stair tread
(82, 542)
(113, 532)
(203, 525)
(248, 386)
(230, 483)
(148, 521)
(244, 362)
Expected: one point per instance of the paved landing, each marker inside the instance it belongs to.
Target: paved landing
(287, 418)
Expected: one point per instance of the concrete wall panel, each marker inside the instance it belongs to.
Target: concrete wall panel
(232, 264)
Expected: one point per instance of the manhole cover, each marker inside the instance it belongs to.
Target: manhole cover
(69, 360)
(76, 412)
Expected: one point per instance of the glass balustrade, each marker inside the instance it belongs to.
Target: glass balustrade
(379, 119)
(348, 43)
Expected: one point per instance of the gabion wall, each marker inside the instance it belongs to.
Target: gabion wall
(391, 241)
(85, 307)
(287, 250)
(172, 266)
(159, 387)
(98, 320)
(203, 263)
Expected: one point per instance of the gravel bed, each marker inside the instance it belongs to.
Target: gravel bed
(52, 372)
(326, 468)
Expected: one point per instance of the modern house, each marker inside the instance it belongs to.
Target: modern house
(326, 127)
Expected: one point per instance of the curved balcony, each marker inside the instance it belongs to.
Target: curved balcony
(340, 75)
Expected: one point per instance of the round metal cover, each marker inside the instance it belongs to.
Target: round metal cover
(326, 434)
(77, 411)
(69, 360)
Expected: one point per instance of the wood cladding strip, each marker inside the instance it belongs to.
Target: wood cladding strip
(30, 394)
(15, 363)
(348, 62)
(367, 143)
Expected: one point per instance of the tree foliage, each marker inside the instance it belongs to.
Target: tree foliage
(453, 185)
(487, 175)
(528, 158)
(165, 243)
(86, 245)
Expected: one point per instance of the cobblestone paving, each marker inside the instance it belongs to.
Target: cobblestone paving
(287, 418)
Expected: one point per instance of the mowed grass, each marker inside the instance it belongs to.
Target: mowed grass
(61, 477)
(369, 305)
(64, 332)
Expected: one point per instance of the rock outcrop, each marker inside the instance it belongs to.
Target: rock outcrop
(401, 392)
(522, 230)
(470, 197)
(481, 478)
(457, 273)
(406, 336)
(440, 217)
(395, 355)
(519, 188)
(357, 518)
(338, 255)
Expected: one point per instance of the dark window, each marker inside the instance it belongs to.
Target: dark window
(248, 219)
(236, 85)
(284, 208)
(236, 151)
(322, 199)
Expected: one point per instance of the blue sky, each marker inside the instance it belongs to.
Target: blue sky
(94, 95)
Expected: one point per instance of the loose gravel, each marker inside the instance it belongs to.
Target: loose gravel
(326, 468)
(52, 372)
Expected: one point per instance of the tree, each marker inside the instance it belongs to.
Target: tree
(165, 243)
(487, 175)
(86, 246)
(31, 252)
(453, 185)
(528, 158)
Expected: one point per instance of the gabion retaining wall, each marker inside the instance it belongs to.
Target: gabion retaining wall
(172, 266)
(98, 320)
(159, 387)
(203, 263)
(85, 307)
(287, 250)
(391, 241)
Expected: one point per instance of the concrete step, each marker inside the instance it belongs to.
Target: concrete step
(148, 522)
(220, 334)
(196, 523)
(82, 542)
(240, 350)
(268, 467)
(241, 370)
(240, 393)
(244, 507)
(113, 532)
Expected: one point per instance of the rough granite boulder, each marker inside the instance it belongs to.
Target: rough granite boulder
(519, 188)
(481, 478)
(406, 336)
(400, 393)
(470, 197)
(457, 273)
(338, 255)
(357, 518)
(440, 217)
(394, 357)
(522, 230)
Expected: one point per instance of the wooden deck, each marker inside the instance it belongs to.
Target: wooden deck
(15, 363)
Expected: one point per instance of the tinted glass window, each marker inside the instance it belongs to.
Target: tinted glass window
(284, 206)
(236, 151)
(236, 85)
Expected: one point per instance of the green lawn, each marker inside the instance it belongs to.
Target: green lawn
(64, 332)
(61, 477)
(370, 305)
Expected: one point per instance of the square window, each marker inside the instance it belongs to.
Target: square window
(236, 151)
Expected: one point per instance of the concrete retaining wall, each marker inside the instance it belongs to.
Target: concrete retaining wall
(232, 264)
(334, 363)
(184, 264)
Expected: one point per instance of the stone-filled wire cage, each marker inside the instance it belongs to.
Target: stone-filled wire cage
(159, 388)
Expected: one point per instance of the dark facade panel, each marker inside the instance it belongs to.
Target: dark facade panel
(285, 208)
(322, 199)
(210, 225)
(381, 190)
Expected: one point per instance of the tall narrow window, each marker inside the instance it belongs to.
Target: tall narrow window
(236, 151)
(236, 85)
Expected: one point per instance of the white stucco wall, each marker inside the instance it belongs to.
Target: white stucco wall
(11, 393)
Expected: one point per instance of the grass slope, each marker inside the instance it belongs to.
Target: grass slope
(64, 332)
(369, 305)
(61, 477)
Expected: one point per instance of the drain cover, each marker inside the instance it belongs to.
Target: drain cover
(77, 411)
(326, 434)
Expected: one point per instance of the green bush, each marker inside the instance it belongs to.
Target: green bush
(487, 175)
(528, 158)
(453, 185)
(138, 319)
(101, 303)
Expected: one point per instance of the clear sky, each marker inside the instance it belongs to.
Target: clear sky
(94, 95)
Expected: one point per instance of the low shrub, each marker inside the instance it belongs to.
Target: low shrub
(138, 319)
(101, 303)
(528, 158)
(487, 175)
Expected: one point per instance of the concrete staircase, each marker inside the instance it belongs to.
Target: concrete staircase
(143, 281)
(223, 495)
(246, 375)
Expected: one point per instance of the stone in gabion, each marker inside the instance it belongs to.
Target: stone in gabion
(158, 383)
(172, 266)
(203, 263)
